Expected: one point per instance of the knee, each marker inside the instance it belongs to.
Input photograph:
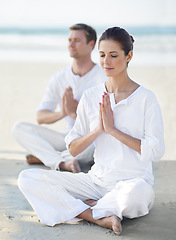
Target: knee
(17, 128)
(27, 176)
(137, 200)
(22, 179)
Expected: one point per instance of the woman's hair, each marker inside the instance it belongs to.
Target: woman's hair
(120, 35)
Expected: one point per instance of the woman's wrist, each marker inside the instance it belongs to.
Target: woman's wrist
(112, 131)
(97, 131)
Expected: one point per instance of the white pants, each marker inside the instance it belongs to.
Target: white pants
(57, 196)
(46, 144)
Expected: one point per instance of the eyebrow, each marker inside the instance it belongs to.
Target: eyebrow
(74, 38)
(110, 52)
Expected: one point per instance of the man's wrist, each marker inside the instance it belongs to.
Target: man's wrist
(60, 115)
(73, 115)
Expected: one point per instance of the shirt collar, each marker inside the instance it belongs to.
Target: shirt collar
(122, 102)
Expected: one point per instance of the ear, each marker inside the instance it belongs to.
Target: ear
(92, 44)
(129, 56)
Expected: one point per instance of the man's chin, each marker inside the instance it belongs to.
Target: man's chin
(73, 55)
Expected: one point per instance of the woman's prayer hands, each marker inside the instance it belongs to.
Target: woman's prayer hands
(106, 119)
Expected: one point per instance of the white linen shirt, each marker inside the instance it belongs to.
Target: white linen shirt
(139, 116)
(65, 78)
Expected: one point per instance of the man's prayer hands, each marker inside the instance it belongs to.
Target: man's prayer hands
(69, 104)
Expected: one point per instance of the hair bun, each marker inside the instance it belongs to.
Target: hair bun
(132, 39)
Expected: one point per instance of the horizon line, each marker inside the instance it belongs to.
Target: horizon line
(63, 29)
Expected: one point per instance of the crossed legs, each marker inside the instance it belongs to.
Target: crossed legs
(65, 196)
(47, 146)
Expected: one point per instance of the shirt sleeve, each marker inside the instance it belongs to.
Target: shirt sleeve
(81, 126)
(152, 145)
(52, 96)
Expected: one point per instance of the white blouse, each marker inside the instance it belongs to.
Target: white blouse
(139, 116)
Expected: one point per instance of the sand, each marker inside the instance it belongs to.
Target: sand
(22, 87)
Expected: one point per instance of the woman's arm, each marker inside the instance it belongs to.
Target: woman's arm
(80, 144)
(129, 141)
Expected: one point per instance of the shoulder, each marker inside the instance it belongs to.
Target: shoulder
(64, 71)
(147, 93)
(94, 92)
(60, 77)
(148, 100)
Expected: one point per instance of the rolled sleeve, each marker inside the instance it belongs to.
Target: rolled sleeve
(152, 145)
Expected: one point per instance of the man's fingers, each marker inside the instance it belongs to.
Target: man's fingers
(68, 92)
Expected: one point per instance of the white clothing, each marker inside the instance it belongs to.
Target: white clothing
(61, 80)
(47, 145)
(58, 197)
(44, 143)
(139, 116)
(121, 179)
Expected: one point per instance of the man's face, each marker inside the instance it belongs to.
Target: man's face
(78, 46)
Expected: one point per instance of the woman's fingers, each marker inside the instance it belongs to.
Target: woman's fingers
(106, 105)
(107, 113)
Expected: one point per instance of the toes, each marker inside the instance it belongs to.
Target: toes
(116, 226)
(75, 167)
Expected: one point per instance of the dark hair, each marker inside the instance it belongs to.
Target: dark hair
(88, 30)
(120, 35)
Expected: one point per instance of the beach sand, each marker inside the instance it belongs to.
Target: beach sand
(22, 87)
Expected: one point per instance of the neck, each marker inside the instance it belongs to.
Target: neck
(117, 84)
(82, 66)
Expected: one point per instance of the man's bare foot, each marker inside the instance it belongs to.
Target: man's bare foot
(30, 159)
(90, 202)
(112, 222)
(70, 165)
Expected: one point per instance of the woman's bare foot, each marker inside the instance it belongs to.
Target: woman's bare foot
(90, 202)
(30, 159)
(70, 165)
(112, 222)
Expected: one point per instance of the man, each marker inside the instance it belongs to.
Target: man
(64, 89)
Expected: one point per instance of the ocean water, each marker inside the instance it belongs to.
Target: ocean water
(154, 46)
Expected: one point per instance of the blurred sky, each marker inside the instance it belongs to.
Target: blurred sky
(57, 13)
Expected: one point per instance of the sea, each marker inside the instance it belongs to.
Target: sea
(154, 45)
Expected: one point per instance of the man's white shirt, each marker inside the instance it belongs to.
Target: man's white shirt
(65, 78)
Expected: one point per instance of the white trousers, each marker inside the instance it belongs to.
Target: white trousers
(57, 196)
(46, 144)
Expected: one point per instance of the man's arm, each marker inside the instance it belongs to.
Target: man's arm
(47, 116)
(69, 106)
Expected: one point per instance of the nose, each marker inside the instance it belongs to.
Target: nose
(71, 43)
(106, 60)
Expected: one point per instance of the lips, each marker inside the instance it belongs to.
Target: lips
(107, 68)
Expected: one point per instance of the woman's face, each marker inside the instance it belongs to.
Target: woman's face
(112, 58)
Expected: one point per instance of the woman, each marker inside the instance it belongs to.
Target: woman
(123, 120)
